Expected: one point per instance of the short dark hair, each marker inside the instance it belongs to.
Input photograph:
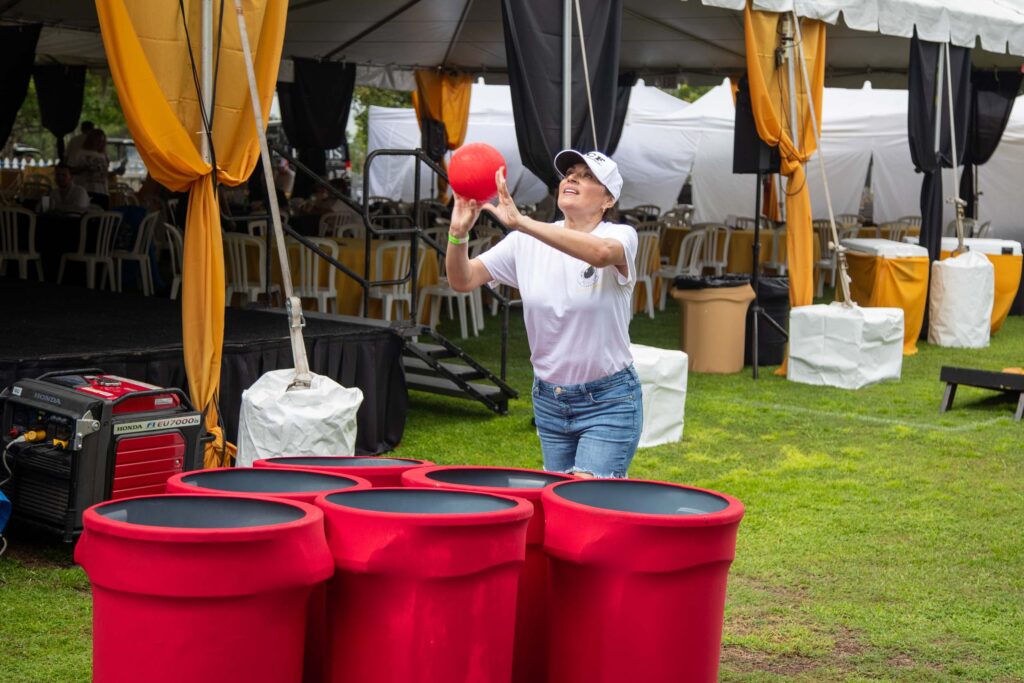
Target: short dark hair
(87, 126)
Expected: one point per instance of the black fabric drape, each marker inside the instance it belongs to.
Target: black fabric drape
(140, 337)
(626, 82)
(60, 89)
(533, 49)
(17, 54)
(314, 112)
(924, 60)
(992, 97)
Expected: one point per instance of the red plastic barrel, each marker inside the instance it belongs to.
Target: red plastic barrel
(379, 471)
(529, 659)
(299, 485)
(203, 589)
(425, 584)
(638, 573)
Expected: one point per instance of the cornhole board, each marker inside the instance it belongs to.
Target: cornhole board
(1007, 382)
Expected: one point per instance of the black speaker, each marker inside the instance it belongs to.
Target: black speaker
(750, 154)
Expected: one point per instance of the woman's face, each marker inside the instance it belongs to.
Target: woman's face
(581, 192)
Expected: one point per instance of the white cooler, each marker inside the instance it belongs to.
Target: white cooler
(849, 348)
(662, 375)
(884, 248)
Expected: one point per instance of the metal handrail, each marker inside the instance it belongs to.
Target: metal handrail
(414, 232)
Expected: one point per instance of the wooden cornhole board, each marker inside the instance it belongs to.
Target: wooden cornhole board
(1007, 382)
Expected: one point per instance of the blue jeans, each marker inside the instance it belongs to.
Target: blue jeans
(592, 427)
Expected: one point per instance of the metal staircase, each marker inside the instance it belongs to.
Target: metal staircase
(437, 366)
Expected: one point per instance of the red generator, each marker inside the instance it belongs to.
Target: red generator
(74, 438)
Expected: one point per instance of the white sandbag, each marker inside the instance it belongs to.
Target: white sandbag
(662, 375)
(320, 420)
(960, 302)
(849, 348)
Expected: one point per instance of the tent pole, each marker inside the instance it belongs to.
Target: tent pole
(206, 66)
(566, 74)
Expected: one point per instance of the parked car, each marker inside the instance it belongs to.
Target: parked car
(123, 151)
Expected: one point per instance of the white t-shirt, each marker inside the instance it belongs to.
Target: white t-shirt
(577, 316)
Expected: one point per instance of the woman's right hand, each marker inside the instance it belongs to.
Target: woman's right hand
(464, 215)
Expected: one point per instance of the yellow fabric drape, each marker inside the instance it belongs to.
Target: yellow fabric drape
(149, 61)
(1008, 272)
(769, 96)
(444, 97)
(891, 283)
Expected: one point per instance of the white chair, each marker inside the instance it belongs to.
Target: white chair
(105, 225)
(249, 282)
(848, 220)
(176, 247)
(389, 295)
(139, 253)
(716, 241)
(354, 230)
(982, 230)
(775, 262)
(256, 227)
(827, 262)
(691, 249)
(898, 230)
(11, 246)
(442, 292)
(313, 271)
(337, 224)
(646, 251)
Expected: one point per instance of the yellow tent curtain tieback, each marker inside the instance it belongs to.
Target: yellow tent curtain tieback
(148, 58)
(770, 99)
(444, 97)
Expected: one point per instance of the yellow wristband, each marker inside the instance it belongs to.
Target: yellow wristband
(455, 240)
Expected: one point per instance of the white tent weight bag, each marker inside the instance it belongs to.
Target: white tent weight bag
(320, 420)
(662, 374)
(960, 302)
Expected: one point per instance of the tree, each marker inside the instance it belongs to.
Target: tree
(363, 97)
(100, 105)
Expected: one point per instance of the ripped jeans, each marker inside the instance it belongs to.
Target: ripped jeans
(590, 428)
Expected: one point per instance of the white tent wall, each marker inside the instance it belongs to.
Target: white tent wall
(896, 187)
(847, 133)
(394, 176)
(652, 153)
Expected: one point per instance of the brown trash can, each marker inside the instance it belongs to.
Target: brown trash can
(713, 321)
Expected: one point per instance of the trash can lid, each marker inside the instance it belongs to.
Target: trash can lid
(643, 497)
(345, 461)
(496, 477)
(421, 501)
(716, 282)
(199, 512)
(267, 480)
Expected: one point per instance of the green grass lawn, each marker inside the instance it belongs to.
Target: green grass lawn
(882, 540)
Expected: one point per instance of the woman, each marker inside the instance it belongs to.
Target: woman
(576, 278)
(92, 167)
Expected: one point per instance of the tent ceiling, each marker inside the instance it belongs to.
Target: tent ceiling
(674, 37)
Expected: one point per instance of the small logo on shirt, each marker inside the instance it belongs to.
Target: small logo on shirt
(587, 277)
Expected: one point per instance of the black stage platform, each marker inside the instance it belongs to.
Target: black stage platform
(46, 327)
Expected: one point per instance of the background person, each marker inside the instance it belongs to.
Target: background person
(576, 278)
(67, 196)
(76, 141)
(91, 167)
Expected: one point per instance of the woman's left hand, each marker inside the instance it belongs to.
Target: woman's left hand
(506, 210)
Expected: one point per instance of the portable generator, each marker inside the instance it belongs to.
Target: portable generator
(74, 438)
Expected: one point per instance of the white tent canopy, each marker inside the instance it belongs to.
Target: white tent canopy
(702, 40)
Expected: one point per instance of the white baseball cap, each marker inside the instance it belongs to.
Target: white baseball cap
(604, 169)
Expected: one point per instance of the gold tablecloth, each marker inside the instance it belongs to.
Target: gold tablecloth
(891, 283)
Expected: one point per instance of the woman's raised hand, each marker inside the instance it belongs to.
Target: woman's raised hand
(506, 210)
(464, 215)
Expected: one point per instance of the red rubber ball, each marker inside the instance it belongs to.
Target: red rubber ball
(471, 171)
